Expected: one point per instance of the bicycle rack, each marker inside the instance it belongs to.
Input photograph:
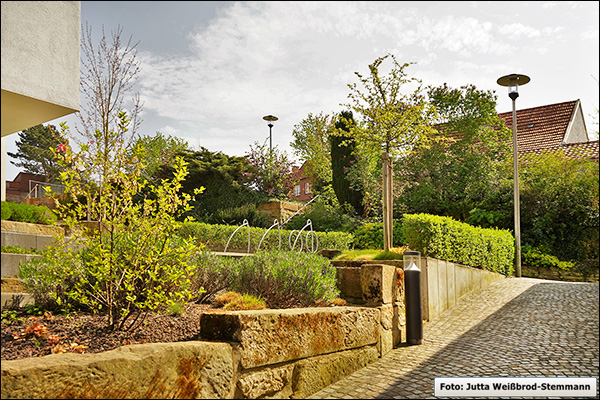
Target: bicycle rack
(308, 233)
(244, 223)
(275, 222)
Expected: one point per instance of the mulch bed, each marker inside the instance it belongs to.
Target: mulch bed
(82, 332)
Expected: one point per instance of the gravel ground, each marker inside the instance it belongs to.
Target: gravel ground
(37, 336)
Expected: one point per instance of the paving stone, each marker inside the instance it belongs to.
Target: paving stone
(516, 327)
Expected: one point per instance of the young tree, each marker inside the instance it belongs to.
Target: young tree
(132, 262)
(391, 122)
(311, 145)
(34, 151)
(109, 72)
(271, 171)
(452, 175)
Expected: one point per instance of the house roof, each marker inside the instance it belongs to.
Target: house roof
(543, 127)
(580, 150)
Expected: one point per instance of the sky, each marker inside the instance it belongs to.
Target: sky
(211, 70)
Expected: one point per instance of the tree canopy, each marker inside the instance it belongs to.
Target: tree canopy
(34, 151)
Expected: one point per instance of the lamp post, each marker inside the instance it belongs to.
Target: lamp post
(513, 81)
(270, 118)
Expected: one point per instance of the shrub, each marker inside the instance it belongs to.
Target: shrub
(135, 266)
(19, 250)
(211, 276)
(325, 217)
(7, 210)
(370, 236)
(27, 213)
(448, 239)
(285, 279)
(534, 258)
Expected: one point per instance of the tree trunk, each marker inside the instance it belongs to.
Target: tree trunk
(387, 203)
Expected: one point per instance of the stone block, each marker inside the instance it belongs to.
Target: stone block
(348, 282)
(269, 382)
(386, 342)
(377, 283)
(144, 371)
(11, 262)
(399, 323)
(273, 336)
(316, 373)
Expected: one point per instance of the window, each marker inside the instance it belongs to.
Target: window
(307, 188)
(297, 190)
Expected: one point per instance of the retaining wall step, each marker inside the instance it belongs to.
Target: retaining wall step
(11, 263)
(16, 300)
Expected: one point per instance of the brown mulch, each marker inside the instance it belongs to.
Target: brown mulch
(81, 332)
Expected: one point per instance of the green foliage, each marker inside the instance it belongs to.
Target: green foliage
(343, 158)
(311, 145)
(453, 172)
(536, 259)
(21, 212)
(34, 151)
(559, 205)
(390, 120)
(7, 210)
(388, 255)
(135, 264)
(9, 317)
(326, 216)
(370, 236)
(228, 197)
(448, 239)
(161, 152)
(237, 215)
(216, 237)
(19, 250)
(285, 279)
(211, 275)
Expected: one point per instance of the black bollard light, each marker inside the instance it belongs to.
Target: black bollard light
(412, 284)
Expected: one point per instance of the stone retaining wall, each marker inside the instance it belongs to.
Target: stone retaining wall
(290, 353)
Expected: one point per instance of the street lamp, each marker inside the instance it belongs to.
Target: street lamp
(270, 118)
(513, 81)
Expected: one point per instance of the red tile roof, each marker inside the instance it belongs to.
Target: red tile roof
(579, 150)
(542, 127)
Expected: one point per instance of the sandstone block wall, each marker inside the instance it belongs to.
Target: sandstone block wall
(144, 371)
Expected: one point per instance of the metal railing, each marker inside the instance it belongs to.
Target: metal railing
(40, 189)
(309, 234)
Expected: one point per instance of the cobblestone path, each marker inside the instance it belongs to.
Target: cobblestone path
(517, 327)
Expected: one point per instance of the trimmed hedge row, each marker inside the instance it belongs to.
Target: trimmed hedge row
(370, 236)
(21, 212)
(447, 239)
(216, 237)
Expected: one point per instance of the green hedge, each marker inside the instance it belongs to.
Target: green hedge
(20, 212)
(451, 240)
(370, 236)
(216, 237)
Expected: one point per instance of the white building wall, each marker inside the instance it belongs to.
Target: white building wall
(39, 65)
